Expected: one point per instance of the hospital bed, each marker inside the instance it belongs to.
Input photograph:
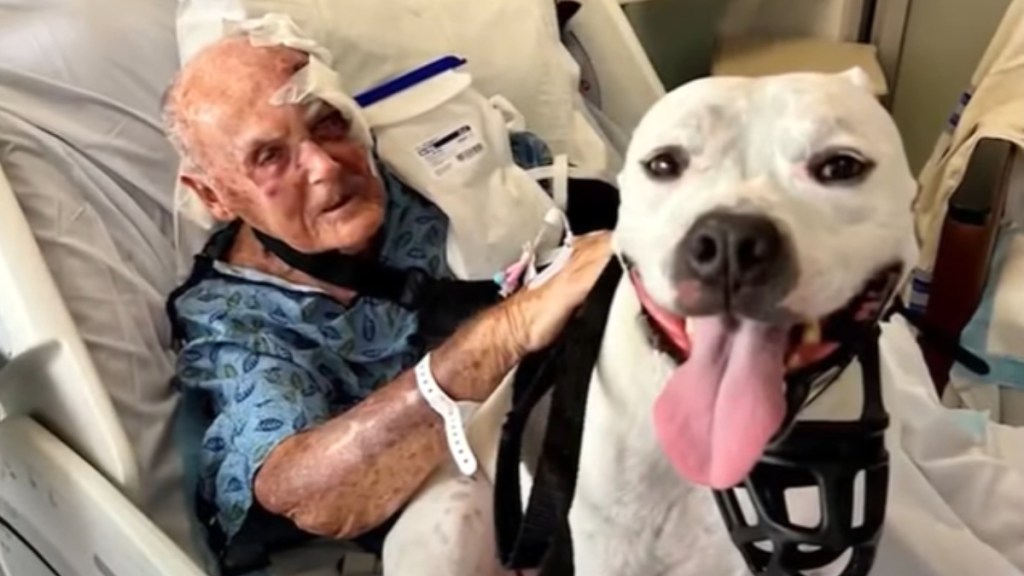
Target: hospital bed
(74, 497)
(67, 473)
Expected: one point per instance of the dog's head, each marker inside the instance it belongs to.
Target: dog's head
(754, 212)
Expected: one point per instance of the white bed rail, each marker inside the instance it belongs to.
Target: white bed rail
(50, 376)
(630, 83)
(55, 506)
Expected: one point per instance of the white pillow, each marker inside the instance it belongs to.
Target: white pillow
(513, 46)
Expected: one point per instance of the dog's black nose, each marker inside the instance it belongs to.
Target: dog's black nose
(736, 250)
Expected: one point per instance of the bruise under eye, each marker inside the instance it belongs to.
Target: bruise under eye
(332, 125)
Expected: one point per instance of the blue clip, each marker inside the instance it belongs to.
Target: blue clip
(408, 80)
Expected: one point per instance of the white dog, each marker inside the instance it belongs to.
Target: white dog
(754, 209)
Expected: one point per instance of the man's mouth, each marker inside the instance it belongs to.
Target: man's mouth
(348, 188)
(726, 400)
(338, 204)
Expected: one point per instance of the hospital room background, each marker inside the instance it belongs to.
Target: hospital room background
(80, 87)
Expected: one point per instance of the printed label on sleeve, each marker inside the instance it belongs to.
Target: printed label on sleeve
(452, 148)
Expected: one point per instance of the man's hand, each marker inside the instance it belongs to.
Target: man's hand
(529, 320)
(541, 313)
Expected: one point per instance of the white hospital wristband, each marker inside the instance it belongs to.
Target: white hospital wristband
(454, 431)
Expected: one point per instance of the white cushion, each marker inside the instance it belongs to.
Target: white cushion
(512, 48)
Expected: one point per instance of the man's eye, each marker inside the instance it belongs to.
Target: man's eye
(268, 155)
(332, 126)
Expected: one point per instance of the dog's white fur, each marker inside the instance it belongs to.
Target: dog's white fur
(749, 142)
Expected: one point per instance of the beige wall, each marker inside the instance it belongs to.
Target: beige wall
(679, 34)
(943, 43)
(835, 19)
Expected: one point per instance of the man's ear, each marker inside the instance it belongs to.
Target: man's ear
(206, 194)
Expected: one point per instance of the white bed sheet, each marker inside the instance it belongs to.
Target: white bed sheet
(81, 143)
(957, 488)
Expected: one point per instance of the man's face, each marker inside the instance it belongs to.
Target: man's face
(293, 171)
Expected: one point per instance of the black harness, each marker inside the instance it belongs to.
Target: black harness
(541, 538)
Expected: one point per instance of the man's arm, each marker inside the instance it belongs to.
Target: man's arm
(350, 474)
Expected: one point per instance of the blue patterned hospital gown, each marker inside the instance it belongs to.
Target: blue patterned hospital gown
(273, 358)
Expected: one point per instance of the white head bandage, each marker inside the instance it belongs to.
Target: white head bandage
(315, 82)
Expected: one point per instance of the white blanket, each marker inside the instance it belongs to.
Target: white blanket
(82, 146)
(957, 489)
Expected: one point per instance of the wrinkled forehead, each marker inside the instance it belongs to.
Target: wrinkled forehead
(246, 105)
(255, 110)
(790, 111)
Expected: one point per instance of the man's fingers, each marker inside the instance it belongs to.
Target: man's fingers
(590, 253)
(593, 245)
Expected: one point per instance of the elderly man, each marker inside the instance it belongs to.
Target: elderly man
(312, 412)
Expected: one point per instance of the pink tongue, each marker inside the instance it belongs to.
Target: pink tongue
(720, 408)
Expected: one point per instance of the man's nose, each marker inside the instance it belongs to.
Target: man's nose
(318, 163)
(733, 251)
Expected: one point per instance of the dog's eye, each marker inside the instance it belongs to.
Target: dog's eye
(667, 164)
(839, 168)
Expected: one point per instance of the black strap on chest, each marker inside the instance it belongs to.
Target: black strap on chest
(540, 538)
(442, 303)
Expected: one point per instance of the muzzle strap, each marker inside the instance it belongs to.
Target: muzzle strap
(827, 456)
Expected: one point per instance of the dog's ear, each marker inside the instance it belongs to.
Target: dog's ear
(858, 77)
